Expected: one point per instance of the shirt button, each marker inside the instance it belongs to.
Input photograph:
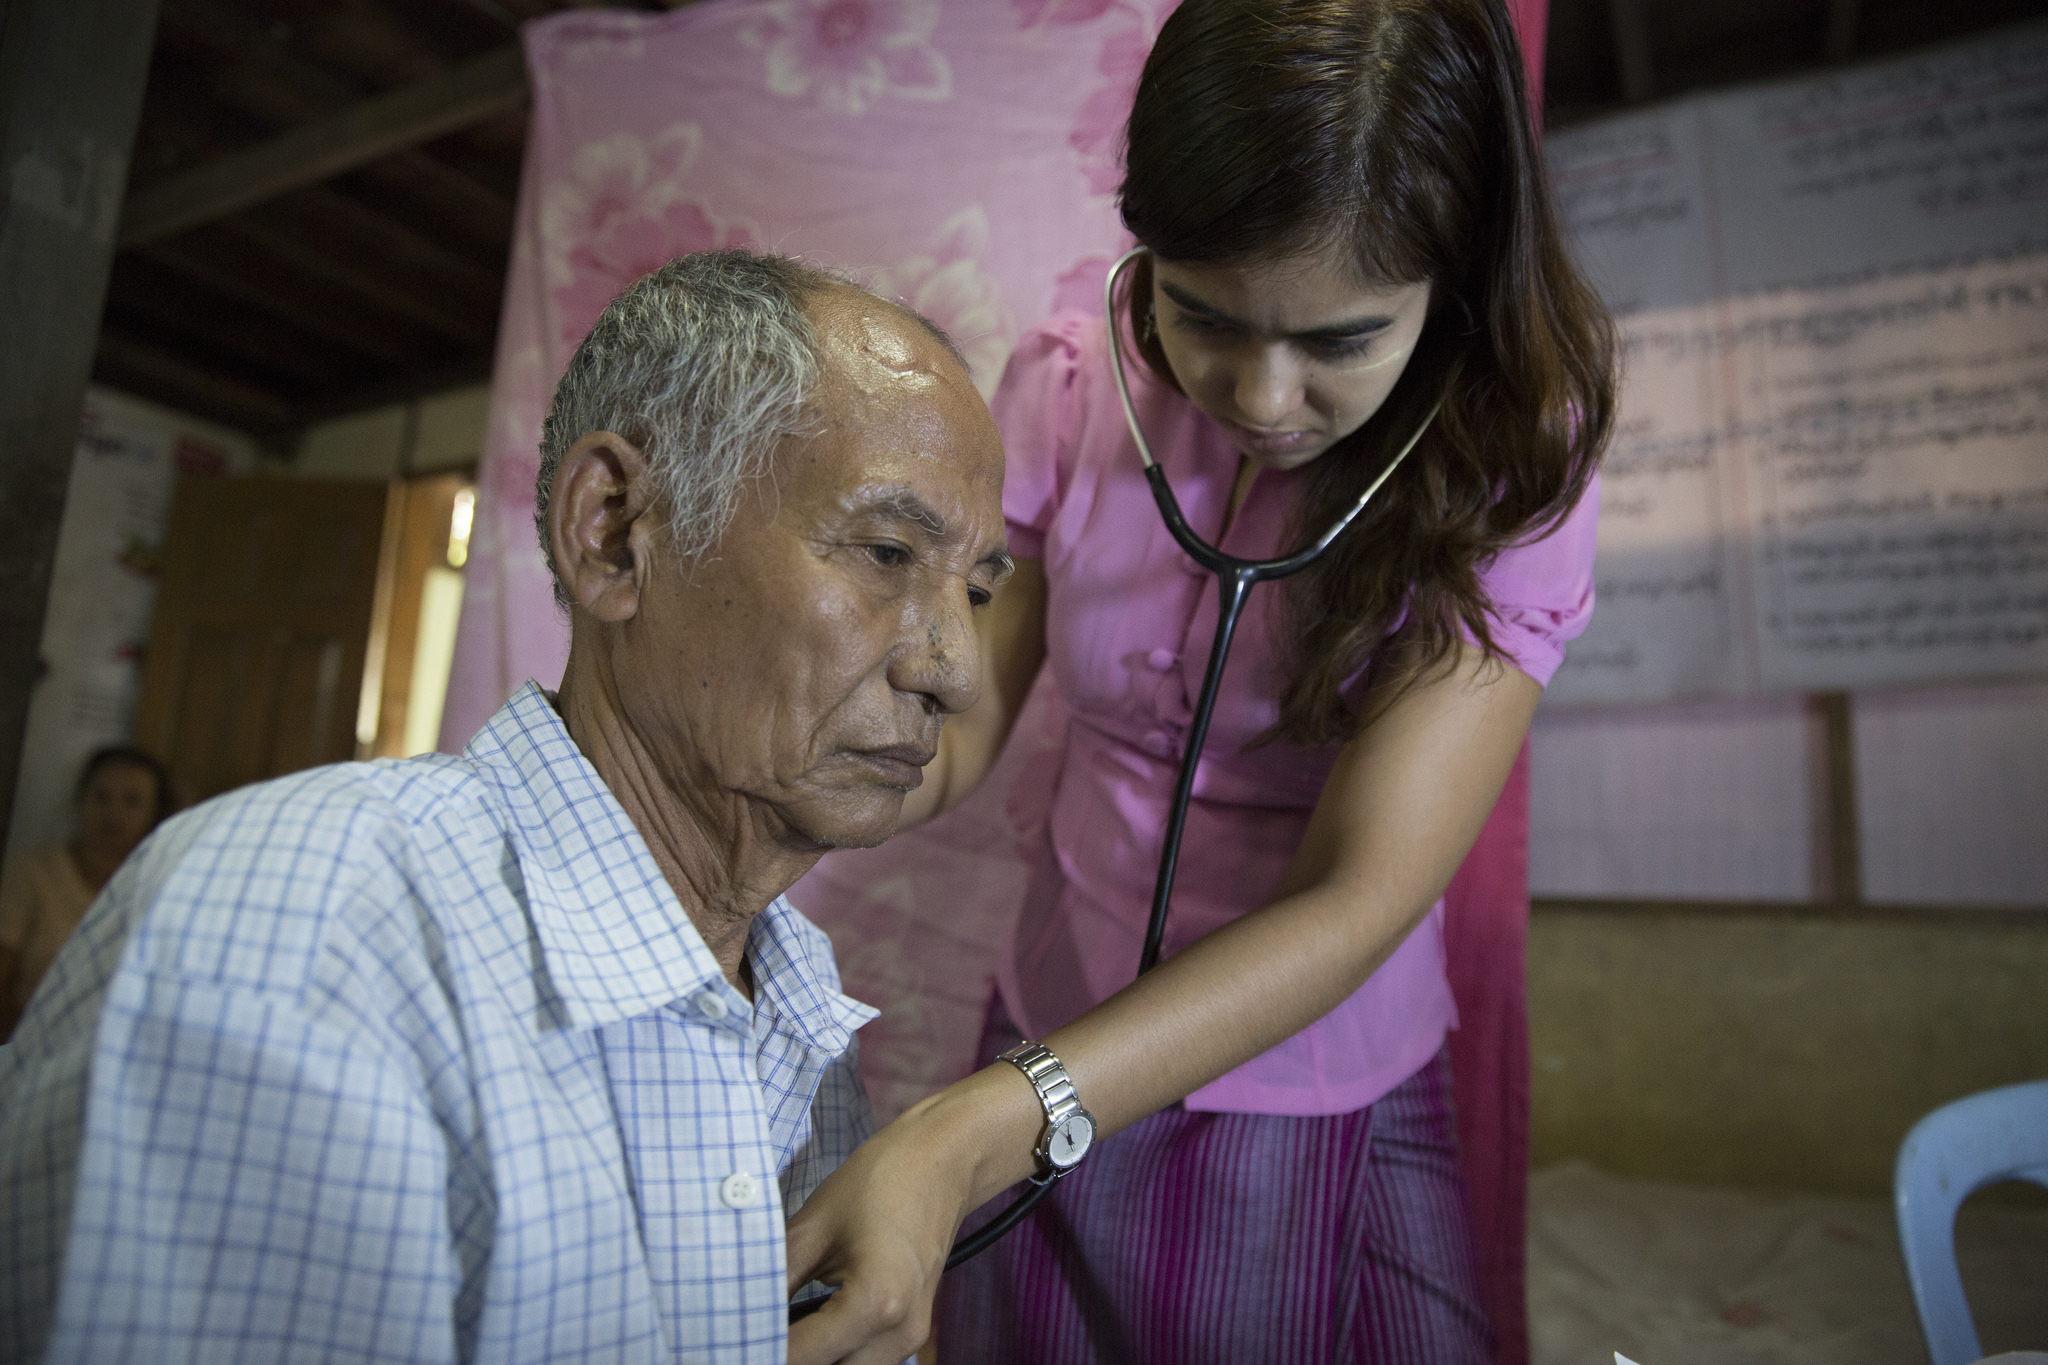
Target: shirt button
(1161, 659)
(712, 1005)
(739, 1190)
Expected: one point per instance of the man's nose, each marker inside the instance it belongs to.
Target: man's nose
(940, 658)
(1269, 386)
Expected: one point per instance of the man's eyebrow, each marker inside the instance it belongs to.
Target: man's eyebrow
(1336, 331)
(904, 505)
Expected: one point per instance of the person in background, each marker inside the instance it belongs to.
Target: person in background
(123, 794)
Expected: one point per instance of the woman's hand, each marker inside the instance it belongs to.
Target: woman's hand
(880, 1227)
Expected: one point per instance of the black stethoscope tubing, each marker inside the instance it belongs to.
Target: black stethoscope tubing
(1234, 577)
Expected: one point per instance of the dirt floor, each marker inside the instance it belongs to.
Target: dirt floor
(1689, 1275)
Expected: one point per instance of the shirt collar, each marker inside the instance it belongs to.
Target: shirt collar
(795, 980)
(614, 939)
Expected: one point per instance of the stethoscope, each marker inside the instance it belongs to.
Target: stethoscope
(1234, 579)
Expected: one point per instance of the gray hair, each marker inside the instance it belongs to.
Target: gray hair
(706, 365)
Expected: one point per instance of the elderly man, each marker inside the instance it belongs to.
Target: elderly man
(518, 1056)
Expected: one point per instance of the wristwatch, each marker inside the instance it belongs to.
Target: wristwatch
(1069, 1129)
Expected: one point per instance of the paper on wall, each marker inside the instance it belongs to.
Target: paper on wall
(1831, 468)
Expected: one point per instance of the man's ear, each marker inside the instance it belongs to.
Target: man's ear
(599, 524)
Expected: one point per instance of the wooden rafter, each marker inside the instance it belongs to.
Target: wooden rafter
(200, 388)
(1632, 48)
(305, 156)
(370, 286)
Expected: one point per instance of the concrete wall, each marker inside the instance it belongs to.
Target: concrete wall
(447, 433)
(1771, 1048)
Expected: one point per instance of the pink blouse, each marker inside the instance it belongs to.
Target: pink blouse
(1129, 623)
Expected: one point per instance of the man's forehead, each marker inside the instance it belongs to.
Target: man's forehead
(876, 347)
(900, 411)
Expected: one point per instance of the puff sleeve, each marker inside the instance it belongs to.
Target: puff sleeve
(1035, 409)
(1542, 592)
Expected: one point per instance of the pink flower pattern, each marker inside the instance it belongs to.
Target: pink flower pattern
(1037, 13)
(1080, 287)
(1098, 132)
(845, 54)
(620, 212)
(947, 284)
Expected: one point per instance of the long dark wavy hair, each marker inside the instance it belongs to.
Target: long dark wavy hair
(1398, 129)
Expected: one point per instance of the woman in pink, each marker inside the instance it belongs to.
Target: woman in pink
(1347, 223)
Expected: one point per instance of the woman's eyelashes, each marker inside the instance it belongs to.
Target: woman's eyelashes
(1353, 346)
(1217, 332)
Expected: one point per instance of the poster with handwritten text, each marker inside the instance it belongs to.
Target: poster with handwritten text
(1831, 469)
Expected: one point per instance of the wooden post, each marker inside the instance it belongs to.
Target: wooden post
(1632, 48)
(71, 79)
(1843, 17)
(1845, 841)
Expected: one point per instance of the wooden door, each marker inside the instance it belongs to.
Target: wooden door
(422, 516)
(264, 616)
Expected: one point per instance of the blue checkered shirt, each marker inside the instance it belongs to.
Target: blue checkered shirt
(416, 1061)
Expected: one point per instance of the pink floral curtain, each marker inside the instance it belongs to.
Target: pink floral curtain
(962, 157)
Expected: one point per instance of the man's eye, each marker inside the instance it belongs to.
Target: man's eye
(889, 556)
(979, 597)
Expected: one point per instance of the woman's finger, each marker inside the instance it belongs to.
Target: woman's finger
(859, 1327)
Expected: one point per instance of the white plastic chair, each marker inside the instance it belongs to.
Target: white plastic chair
(1952, 1153)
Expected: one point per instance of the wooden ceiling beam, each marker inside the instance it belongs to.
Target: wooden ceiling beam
(347, 226)
(438, 198)
(368, 285)
(319, 151)
(1632, 48)
(235, 281)
(129, 362)
(428, 190)
(156, 302)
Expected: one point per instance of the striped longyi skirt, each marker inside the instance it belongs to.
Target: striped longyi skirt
(1192, 1238)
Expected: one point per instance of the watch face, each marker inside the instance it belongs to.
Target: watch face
(1068, 1142)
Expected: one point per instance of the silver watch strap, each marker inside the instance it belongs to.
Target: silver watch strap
(1048, 1077)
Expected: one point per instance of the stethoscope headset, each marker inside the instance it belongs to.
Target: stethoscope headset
(1234, 577)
